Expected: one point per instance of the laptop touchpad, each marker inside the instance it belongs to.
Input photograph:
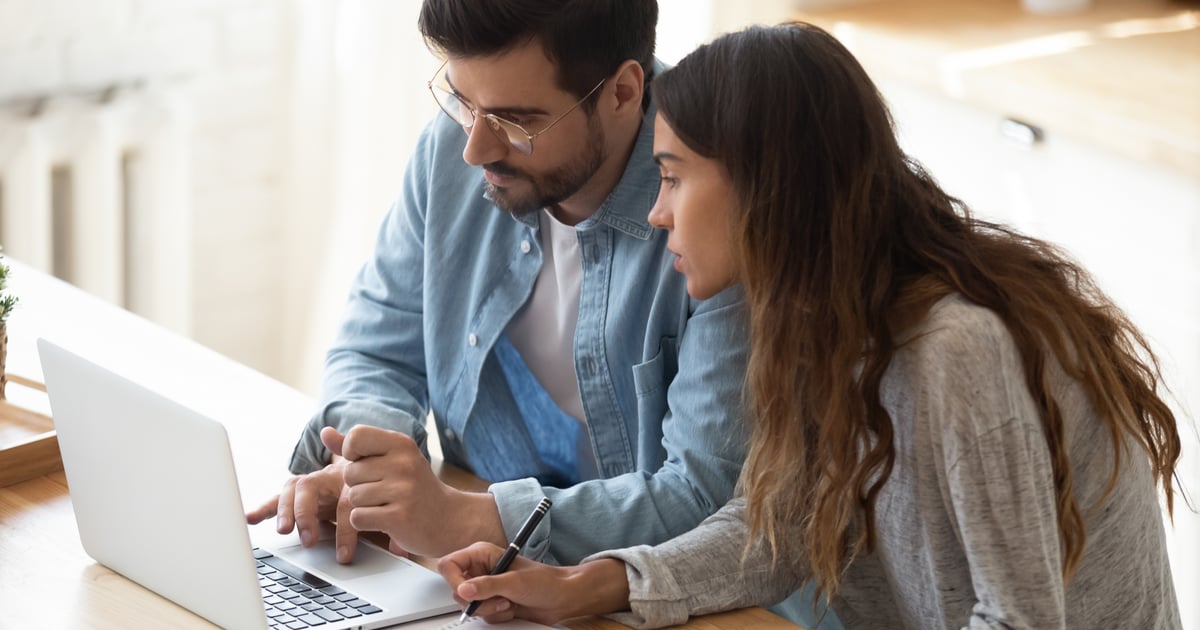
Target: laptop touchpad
(368, 560)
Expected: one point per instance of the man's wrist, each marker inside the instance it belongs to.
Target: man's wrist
(482, 519)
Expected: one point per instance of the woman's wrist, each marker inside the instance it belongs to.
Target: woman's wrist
(598, 587)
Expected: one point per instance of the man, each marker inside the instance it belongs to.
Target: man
(518, 292)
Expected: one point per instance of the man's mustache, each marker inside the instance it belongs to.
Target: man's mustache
(503, 170)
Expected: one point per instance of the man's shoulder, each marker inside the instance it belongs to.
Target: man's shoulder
(439, 179)
(440, 146)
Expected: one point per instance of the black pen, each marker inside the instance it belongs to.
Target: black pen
(514, 548)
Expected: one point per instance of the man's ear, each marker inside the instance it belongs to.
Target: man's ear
(629, 83)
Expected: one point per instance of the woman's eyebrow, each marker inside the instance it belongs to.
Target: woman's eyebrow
(666, 155)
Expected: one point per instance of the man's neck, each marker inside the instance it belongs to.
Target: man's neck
(567, 217)
(584, 203)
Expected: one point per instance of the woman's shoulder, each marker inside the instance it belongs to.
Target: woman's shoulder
(958, 372)
(956, 329)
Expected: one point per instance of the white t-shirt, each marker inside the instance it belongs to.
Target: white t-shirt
(544, 330)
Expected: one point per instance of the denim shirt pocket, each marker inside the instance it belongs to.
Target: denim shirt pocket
(651, 379)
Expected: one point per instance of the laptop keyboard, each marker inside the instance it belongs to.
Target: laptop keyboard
(298, 599)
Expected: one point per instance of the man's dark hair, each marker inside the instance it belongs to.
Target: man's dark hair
(586, 39)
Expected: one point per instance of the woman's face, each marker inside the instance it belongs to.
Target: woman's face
(695, 205)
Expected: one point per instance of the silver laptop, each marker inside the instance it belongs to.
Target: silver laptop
(156, 499)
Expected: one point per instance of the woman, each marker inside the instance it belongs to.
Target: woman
(951, 425)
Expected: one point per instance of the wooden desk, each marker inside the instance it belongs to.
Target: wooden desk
(46, 579)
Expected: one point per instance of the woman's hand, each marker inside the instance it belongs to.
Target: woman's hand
(532, 590)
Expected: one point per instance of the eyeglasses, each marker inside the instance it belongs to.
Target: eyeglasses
(465, 114)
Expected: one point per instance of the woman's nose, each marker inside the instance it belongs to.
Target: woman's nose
(660, 216)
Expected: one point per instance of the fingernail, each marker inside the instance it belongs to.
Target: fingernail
(305, 537)
(502, 605)
(279, 525)
(466, 590)
(343, 554)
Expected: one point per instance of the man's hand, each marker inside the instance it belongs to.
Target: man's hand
(305, 501)
(393, 489)
(532, 590)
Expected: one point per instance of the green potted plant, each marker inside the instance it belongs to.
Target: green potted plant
(7, 302)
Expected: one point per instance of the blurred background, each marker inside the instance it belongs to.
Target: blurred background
(220, 166)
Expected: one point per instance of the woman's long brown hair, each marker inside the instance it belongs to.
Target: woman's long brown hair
(843, 242)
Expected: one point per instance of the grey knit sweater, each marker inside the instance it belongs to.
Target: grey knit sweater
(967, 527)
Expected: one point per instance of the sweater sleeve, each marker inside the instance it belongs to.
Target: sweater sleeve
(701, 572)
(1004, 502)
(997, 479)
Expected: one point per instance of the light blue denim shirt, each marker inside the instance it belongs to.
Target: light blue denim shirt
(660, 374)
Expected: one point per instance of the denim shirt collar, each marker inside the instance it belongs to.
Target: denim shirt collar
(627, 206)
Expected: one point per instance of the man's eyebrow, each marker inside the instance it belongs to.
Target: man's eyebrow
(511, 109)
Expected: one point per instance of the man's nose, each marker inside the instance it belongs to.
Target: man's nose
(484, 144)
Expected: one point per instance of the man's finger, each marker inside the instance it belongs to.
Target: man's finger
(367, 441)
(306, 508)
(363, 441)
(346, 537)
(263, 512)
(285, 518)
(332, 440)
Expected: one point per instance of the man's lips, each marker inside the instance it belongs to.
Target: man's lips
(498, 178)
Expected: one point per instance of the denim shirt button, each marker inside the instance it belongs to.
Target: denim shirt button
(525, 247)
(449, 434)
(472, 340)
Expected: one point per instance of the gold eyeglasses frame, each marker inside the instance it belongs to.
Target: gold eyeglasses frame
(517, 136)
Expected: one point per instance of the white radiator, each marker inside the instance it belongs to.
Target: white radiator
(95, 189)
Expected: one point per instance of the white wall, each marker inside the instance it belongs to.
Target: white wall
(227, 58)
(360, 102)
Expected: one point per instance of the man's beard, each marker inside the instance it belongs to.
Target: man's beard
(551, 188)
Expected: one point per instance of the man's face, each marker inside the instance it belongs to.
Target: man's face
(519, 86)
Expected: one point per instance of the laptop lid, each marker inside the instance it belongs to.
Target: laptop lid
(156, 499)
